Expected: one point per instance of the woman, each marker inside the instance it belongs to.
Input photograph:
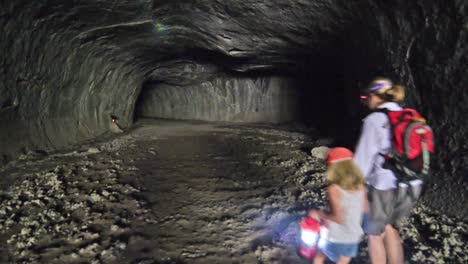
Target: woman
(389, 202)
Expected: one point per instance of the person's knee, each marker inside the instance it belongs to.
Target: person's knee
(343, 260)
(319, 258)
(375, 238)
(391, 230)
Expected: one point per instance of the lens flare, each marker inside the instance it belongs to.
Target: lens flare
(309, 237)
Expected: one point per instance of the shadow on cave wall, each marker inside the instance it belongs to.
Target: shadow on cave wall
(327, 102)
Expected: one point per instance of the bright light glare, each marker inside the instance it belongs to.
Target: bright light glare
(309, 238)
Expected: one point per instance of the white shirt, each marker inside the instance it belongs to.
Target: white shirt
(350, 231)
(375, 139)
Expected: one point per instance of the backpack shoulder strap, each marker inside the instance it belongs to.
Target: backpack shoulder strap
(381, 110)
(386, 112)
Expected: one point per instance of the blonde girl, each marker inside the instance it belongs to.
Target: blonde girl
(348, 202)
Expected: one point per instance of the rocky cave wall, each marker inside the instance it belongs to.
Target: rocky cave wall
(67, 67)
(261, 100)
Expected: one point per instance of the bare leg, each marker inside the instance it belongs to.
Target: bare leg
(377, 249)
(393, 245)
(343, 260)
(319, 257)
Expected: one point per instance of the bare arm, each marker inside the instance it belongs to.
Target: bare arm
(365, 208)
(336, 214)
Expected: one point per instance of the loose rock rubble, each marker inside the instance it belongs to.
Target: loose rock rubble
(89, 205)
(79, 212)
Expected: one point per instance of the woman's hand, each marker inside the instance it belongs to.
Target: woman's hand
(314, 214)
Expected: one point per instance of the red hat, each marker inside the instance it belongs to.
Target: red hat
(339, 154)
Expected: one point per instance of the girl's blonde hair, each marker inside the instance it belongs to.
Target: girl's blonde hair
(345, 174)
(388, 92)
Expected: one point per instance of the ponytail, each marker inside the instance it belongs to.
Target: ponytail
(395, 94)
(385, 89)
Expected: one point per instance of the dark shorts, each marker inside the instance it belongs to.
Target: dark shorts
(336, 250)
(390, 207)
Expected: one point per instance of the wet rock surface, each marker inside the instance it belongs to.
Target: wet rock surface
(175, 192)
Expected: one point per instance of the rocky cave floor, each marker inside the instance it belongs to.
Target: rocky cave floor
(184, 192)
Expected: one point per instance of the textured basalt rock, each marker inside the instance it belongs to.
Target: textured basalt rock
(66, 69)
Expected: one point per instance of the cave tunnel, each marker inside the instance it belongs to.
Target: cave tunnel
(73, 72)
(311, 90)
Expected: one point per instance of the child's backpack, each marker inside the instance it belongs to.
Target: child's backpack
(412, 144)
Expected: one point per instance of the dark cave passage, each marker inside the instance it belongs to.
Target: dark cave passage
(76, 73)
(66, 69)
(312, 91)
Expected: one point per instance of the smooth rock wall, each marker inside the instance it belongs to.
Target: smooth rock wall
(262, 100)
(58, 87)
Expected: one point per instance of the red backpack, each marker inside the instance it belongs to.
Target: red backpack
(412, 144)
